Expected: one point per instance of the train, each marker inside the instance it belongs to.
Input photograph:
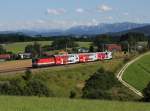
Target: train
(64, 59)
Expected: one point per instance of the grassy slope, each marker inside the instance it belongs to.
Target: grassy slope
(62, 79)
(8, 103)
(20, 46)
(138, 74)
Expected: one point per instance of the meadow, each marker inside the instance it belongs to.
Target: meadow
(19, 47)
(138, 74)
(12, 103)
(64, 79)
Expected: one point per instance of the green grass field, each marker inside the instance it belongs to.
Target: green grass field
(8, 103)
(63, 79)
(138, 74)
(19, 47)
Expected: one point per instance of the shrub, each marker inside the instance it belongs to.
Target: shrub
(126, 59)
(37, 87)
(25, 86)
(97, 86)
(104, 85)
(72, 94)
(146, 93)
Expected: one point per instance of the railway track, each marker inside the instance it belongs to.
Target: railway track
(26, 68)
(14, 70)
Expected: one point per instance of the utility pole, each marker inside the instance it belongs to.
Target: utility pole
(128, 48)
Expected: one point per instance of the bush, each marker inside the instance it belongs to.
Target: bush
(146, 93)
(126, 59)
(104, 85)
(25, 86)
(72, 94)
(98, 85)
(37, 88)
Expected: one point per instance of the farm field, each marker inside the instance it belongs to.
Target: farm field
(138, 74)
(10, 103)
(17, 64)
(20, 46)
(63, 79)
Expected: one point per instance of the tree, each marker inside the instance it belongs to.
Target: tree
(34, 49)
(98, 85)
(104, 85)
(64, 43)
(133, 38)
(146, 93)
(28, 75)
(91, 48)
(148, 45)
(2, 50)
(101, 40)
(125, 46)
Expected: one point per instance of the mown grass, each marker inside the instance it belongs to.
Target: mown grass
(19, 47)
(138, 74)
(10, 103)
(84, 44)
(63, 79)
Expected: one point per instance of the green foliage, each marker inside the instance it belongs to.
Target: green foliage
(28, 75)
(100, 40)
(64, 43)
(2, 50)
(148, 45)
(146, 93)
(131, 39)
(91, 48)
(72, 94)
(25, 86)
(104, 85)
(34, 49)
(97, 86)
(37, 87)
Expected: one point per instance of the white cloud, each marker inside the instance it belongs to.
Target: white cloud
(94, 22)
(104, 8)
(80, 10)
(56, 11)
(109, 18)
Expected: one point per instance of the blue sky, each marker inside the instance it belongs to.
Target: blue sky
(52, 14)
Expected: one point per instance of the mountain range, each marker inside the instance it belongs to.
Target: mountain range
(103, 28)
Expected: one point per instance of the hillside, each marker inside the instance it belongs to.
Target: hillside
(62, 79)
(138, 74)
(145, 30)
(9, 103)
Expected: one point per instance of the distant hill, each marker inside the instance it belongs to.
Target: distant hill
(84, 29)
(144, 29)
(103, 28)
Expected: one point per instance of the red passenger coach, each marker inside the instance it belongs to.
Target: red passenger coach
(61, 59)
(87, 57)
(104, 55)
(101, 55)
(71, 59)
(5, 56)
(82, 58)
